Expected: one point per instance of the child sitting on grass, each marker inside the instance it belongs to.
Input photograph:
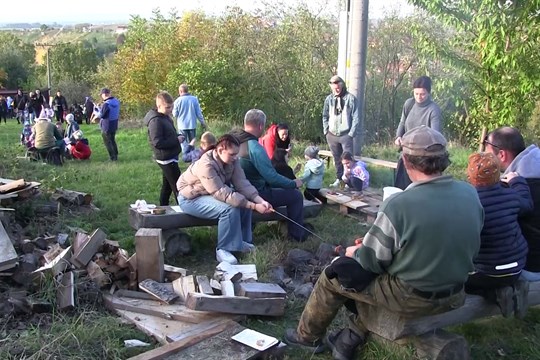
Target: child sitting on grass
(313, 175)
(26, 135)
(280, 161)
(503, 249)
(191, 154)
(355, 174)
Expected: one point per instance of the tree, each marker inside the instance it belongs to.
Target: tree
(75, 62)
(16, 60)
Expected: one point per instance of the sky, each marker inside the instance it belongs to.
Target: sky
(99, 11)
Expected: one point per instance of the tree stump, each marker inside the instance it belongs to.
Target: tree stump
(177, 242)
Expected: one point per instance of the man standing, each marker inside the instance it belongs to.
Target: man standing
(19, 104)
(59, 105)
(419, 258)
(340, 122)
(272, 187)
(508, 145)
(187, 110)
(109, 114)
(165, 144)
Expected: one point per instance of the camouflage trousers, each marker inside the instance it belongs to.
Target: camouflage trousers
(386, 290)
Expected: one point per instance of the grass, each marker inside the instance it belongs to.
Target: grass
(90, 333)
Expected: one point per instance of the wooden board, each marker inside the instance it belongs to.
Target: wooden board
(89, 248)
(65, 297)
(160, 291)
(12, 186)
(204, 285)
(8, 255)
(149, 250)
(236, 305)
(261, 290)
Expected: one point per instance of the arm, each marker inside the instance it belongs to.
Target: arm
(519, 184)
(57, 134)
(156, 138)
(264, 166)
(215, 186)
(404, 113)
(176, 108)
(355, 123)
(199, 113)
(306, 175)
(190, 154)
(325, 116)
(435, 118)
(269, 144)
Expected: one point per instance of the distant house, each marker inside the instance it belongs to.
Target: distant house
(121, 29)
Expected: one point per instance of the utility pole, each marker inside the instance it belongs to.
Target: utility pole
(47, 47)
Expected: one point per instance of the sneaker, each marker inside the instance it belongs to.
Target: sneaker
(521, 293)
(247, 247)
(292, 338)
(504, 298)
(343, 343)
(224, 255)
(335, 183)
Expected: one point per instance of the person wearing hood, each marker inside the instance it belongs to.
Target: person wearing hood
(165, 144)
(418, 110)
(313, 174)
(109, 114)
(341, 122)
(507, 144)
(277, 137)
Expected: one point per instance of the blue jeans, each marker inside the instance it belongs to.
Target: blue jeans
(234, 224)
(294, 201)
(530, 276)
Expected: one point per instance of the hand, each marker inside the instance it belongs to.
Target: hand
(506, 178)
(349, 273)
(192, 142)
(298, 183)
(181, 138)
(398, 141)
(263, 207)
(351, 250)
(204, 126)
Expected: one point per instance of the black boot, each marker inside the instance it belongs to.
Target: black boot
(343, 343)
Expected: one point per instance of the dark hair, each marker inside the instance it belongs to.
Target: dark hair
(164, 97)
(226, 141)
(279, 157)
(429, 165)
(282, 126)
(347, 156)
(282, 144)
(509, 139)
(423, 82)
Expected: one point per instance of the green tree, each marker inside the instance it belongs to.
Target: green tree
(75, 62)
(16, 60)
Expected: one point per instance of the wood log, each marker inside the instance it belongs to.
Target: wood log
(8, 255)
(440, 345)
(160, 291)
(204, 285)
(71, 197)
(149, 247)
(97, 275)
(89, 248)
(261, 290)
(59, 264)
(227, 288)
(23, 273)
(65, 296)
(236, 305)
(183, 286)
(12, 186)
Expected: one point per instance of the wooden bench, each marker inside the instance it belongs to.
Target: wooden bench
(366, 203)
(327, 155)
(177, 241)
(426, 333)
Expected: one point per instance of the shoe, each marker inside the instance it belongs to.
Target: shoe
(247, 247)
(521, 303)
(292, 338)
(504, 297)
(224, 255)
(335, 183)
(343, 343)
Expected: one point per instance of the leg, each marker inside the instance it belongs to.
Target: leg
(292, 199)
(245, 221)
(112, 135)
(190, 134)
(337, 150)
(171, 173)
(356, 184)
(346, 143)
(106, 142)
(229, 219)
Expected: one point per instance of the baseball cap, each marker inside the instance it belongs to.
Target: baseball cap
(423, 141)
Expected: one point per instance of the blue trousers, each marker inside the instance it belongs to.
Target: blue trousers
(294, 201)
(234, 224)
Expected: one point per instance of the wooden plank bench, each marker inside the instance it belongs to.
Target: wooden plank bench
(327, 155)
(366, 203)
(177, 241)
(426, 333)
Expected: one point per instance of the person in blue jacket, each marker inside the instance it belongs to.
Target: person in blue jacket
(109, 115)
(503, 249)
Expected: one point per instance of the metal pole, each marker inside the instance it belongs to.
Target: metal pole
(48, 71)
(343, 63)
(358, 46)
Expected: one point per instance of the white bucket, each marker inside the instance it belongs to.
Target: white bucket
(390, 190)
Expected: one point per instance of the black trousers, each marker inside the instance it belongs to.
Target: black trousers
(109, 139)
(480, 284)
(171, 173)
(59, 115)
(402, 178)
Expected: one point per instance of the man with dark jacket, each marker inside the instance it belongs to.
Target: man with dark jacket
(508, 145)
(165, 144)
(19, 104)
(59, 105)
(109, 115)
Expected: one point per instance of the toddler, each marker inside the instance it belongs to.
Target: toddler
(191, 154)
(313, 175)
(355, 174)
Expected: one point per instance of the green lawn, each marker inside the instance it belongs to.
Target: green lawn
(90, 333)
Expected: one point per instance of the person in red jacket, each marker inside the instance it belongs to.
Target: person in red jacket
(80, 150)
(277, 136)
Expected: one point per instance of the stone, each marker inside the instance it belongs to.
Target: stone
(303, 291)
(277, 275)
(297, 258)
(325, 253)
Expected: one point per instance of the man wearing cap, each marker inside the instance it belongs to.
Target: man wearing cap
(341, 122)
(108, 123)
(419, 249)
(507, 144)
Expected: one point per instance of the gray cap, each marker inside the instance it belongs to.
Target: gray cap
(423, 141)
(312, 151)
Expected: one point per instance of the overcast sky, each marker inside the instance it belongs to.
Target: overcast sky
(75, 11)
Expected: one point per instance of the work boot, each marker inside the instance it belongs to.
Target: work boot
(521, 303)
(292, 338)
(504, 298)
(343, 343)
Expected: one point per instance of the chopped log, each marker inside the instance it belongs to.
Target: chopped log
(122, 258)
(27, 246)
(227, 288)
(59, 264)
(172, 272)
(440, 345)
(40, 306)
(132, 262)
(80, 239)
(204, 285)
(23, 274)
(8, 255)
(70, 197)
(65, 297)
(88, 249)
(149, 247)
(183, 286)
(261, 290)
(97, 275)
(216, 286)
(249, 271)
(159, 291)
(134, 294)
(12, 186)
(52, 253)
(236, 305)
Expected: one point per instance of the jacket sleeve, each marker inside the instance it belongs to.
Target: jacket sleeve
(241, 184)
(176, 108)
(199, 112)
(214, 185)
(404, 113)
(435, 118)
(519, 184)
(268, 141)
(156, 138)
(264, 166)
(355, 114)
(325, 114)
(306, 175)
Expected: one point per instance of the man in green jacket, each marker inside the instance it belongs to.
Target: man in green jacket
(413, 261)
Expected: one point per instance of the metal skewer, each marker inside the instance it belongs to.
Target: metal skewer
(297, 224)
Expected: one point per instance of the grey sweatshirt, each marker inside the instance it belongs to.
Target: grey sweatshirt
(427, 113)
